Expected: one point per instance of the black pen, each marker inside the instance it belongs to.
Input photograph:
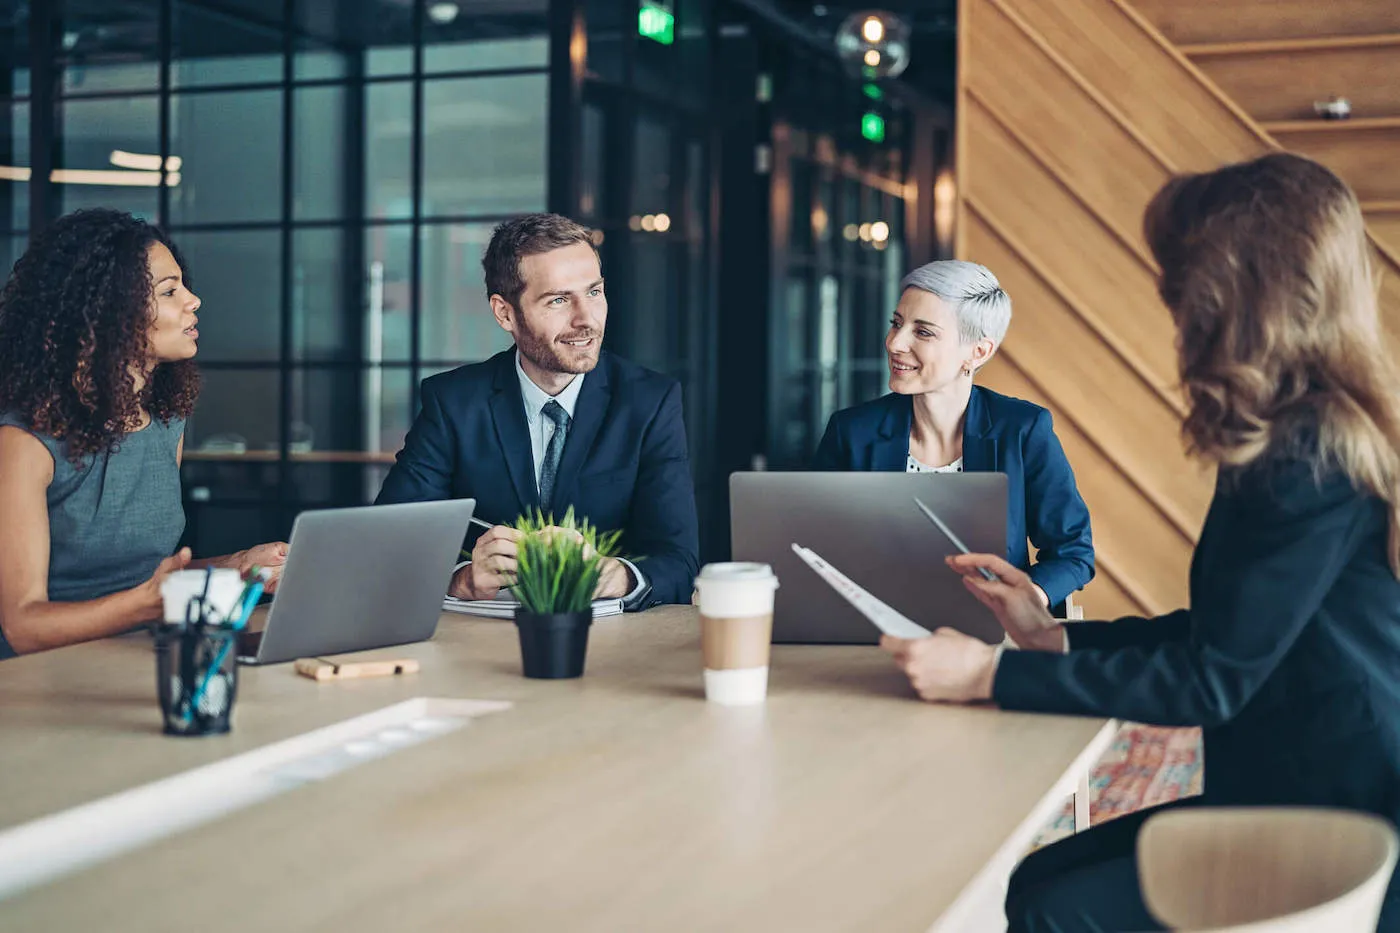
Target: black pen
(957, 542)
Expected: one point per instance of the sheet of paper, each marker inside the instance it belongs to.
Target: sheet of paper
(885, 618)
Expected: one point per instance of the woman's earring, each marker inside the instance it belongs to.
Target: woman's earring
(967, 370)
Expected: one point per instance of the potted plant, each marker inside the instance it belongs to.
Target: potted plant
(557, 569)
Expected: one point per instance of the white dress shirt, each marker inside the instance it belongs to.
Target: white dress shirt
(541, 428)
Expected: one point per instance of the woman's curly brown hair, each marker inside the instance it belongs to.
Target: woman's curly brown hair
(74, 320)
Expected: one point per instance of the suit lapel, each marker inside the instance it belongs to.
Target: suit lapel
(589, 411)
(508, 414)
(890, 451)
(979, 445)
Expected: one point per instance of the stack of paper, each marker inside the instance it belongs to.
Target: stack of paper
(504, 606)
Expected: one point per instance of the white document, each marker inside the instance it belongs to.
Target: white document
(504, 606)
(885, 618)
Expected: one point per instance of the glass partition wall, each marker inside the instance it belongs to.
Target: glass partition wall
(333, 169)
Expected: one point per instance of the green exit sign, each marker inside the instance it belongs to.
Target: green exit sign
(656, 22)
(872, 127)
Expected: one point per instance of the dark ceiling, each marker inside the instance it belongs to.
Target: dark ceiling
(121, 29)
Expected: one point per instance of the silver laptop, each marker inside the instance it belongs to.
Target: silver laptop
(867, 526)
(361, 578)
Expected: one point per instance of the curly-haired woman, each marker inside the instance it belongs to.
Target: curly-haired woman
(97, 340)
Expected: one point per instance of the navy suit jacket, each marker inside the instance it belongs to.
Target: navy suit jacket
(1000, 435)
(1289, 656)
(625, 465)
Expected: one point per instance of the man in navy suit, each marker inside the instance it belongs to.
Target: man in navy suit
(556, 422)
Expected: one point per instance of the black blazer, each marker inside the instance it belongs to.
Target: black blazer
(1001, 434)
(625, 464)
(1289, 656)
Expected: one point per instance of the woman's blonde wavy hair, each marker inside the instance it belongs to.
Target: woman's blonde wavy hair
(1268, 275)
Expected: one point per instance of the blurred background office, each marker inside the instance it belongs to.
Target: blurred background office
(333, 169)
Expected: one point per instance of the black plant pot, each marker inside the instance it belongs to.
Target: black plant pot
(553, 646)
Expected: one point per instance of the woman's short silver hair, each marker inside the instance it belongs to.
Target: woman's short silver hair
(982, 307)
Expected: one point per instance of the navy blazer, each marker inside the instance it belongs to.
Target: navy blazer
(1000, 435)
(1289, 656)
(625, 465)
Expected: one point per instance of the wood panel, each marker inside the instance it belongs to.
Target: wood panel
(1390, 295)
(1155, 90)
(1029, 91)
(1283, 85)
(1365, 157)
(1093, 266)
(1192, 21)
(1071, 115)
(1144, 555)
(1107, 400)
(1103, 599)
(1386, 228)
(1143, 559)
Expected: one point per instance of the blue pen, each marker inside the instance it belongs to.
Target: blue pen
(250, 602)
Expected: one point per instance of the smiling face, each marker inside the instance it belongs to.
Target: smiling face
(173, 333)
(926, 352)
(559, 321)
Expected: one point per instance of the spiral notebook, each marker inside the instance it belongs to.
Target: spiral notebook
(504, 606)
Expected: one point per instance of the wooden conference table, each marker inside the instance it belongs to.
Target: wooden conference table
(618, 801)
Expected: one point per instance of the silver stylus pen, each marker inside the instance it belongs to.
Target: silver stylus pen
(957, 542)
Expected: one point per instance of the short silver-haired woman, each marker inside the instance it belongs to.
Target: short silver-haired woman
(951, 318)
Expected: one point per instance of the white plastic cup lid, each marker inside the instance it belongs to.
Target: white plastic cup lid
(736, 572)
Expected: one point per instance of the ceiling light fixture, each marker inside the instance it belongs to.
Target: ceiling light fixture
(143, 161)
(83, 176)
(443, 13)
(873, 44)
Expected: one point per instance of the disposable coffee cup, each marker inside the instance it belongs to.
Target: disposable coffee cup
(736, 630)
(179, 588)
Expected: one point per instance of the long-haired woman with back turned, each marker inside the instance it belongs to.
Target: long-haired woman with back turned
(1289, 655)
(97, 342)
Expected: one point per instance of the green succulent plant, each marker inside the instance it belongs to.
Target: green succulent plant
(558, 562)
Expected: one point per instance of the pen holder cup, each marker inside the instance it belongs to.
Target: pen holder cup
(196, 678)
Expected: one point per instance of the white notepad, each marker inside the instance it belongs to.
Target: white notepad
(504, 606)
(886, 619)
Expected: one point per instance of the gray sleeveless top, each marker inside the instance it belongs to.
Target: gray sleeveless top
(114, 516)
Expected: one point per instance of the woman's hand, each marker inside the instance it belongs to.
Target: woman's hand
(1014, 599)
(271, 557)
(151, 604)
(948, 666)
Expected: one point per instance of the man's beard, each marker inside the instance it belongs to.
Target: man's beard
(543, 354)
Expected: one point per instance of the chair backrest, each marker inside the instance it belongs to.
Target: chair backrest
(1265, 869)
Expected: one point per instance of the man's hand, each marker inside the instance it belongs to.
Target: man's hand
(493, 565)
(615, 580)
